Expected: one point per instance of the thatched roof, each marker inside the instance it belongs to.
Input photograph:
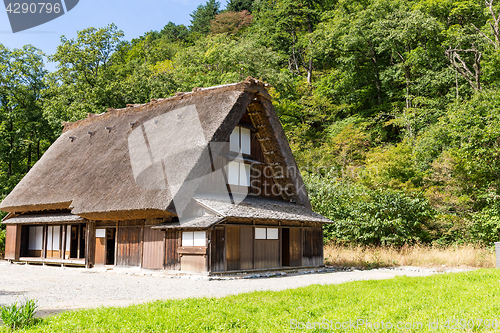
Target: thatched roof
(88, 169)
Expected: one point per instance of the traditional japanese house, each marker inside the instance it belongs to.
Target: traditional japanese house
(203, 181)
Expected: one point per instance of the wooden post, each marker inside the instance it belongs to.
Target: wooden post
(116, 243)
(78, 238)
(280, 242)
(63, 241)
(209, 249)
(225, 248)
(179, 244)
(164, 247)
(322, 248)
(141, 245)
(44, 244)
(90, 245)
(253, 244)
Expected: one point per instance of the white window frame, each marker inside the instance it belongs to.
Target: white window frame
(273, 233)
(260, 233)
(267, 233)
(239, 173)
(194, 238)
(241, 140)
(100, 233)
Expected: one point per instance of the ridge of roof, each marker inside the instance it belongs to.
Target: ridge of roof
(259, 87)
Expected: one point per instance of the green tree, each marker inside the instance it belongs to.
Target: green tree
(239, 5)
(203, 15)
(24, 132)
(84, 80)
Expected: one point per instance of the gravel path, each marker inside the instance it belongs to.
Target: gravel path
(58, 289)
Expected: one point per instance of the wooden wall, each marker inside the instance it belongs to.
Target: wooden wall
(267, 253)
(233, 248)
(246, 247)
(129, 246)
(100, 251)
(12, 242)
(172, 242)
(312, 246)
(295, 247)
(195, 263)
(217, 250)
(154, 250)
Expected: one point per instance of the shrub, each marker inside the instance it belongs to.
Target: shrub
(370, 216)
(2, 241)
(484, 228)
(16, 317)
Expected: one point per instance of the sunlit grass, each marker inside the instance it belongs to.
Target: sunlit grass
(472, 295)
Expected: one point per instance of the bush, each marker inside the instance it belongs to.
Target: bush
(370, 216)
(16, 317)
(484, 228)
(2, 241)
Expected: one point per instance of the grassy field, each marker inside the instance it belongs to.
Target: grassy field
(423, 256)
(363, 305)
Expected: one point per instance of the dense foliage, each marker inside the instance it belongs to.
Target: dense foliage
(392, 108)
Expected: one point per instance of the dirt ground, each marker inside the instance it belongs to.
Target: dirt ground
(59, 289)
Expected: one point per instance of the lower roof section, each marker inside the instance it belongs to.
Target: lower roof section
(53, 217)
(202, 222)
(253, 207)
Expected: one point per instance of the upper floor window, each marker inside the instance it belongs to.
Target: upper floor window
(238, 174)
(240, 140)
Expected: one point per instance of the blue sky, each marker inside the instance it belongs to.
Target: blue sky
(133, 17)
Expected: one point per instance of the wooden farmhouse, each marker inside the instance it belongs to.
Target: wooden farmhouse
(203, 181)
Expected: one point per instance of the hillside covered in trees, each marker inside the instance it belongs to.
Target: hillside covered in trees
(392, 107)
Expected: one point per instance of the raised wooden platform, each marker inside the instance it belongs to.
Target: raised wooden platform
(51, 261)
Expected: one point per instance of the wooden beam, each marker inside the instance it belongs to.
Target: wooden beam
(208, 238)
(280, 236)
(164, 247)
(141, 246)
(78, 240)
(225, 248)
(116, 243)
(63, 241)
(90, 245)
(44, 244)
(192, 250)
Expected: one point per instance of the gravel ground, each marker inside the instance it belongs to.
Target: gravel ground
(58, 289)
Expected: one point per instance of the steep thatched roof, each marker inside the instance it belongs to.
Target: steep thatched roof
(88, 169)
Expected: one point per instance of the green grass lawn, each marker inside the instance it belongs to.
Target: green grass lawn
(472, 296)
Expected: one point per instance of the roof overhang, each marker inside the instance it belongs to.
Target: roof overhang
(260, 208)
(41, 218)
(203, 222)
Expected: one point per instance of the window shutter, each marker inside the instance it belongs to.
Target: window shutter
(246, 141)
(234, 140)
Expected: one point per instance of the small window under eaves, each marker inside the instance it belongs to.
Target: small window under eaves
(241, 140)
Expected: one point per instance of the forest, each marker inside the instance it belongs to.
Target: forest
(391, 107)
